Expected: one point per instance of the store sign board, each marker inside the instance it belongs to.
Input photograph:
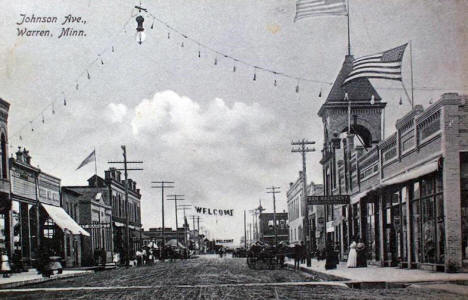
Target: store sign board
(330, 226)
(328, 200)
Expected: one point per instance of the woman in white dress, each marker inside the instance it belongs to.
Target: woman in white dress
(352, 256)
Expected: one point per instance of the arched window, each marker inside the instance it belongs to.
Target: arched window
(4, 157)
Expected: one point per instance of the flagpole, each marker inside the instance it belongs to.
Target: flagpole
(349, 113)
(412, 87)
(407, 94)
(349, 35)
(95, 169)
(95, 162)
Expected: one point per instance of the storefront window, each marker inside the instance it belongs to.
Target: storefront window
(3, 233)
(371, 230)
(464, 201)
(404, 224)
(16, 219)
(439, 199)
(428, 220)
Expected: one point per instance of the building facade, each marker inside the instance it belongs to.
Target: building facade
(6, 237)
(295, 210)
(316, 219)
(408, 191)
(39, 223)
(70, 203)
(116, 185)
(267, 228)
(95, 215)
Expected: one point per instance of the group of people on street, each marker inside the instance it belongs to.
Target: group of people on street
(357, 255)
(300, 253)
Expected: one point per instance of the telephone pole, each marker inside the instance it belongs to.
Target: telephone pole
(162, 185)
(198, 228)
(125, 163)
(184, 207)
(176, 198)
(274, 190)
(245, 231)
(303, 149)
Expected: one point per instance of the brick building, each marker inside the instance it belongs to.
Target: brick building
(103, 213)
(297, 207)
(267, 229)
(39, 223)
(408, 192)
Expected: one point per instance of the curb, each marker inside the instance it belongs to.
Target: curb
(321, 275)
(10, 285)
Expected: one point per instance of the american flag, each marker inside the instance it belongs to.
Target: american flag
(314, 8)
(384, 65)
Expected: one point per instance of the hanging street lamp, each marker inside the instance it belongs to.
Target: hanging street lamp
(140, 34)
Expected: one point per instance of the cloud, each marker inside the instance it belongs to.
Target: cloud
(219, 154)
(116, 112)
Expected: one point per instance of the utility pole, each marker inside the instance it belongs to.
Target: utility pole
(303, 149)
(274, 190)
(198, 228)
(162, 185)
(252, 213)
(245, 231)
(175, 198)
(198, 232)
(185, 207)
(126, 169)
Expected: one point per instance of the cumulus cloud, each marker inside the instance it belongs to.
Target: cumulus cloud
(220, 154)
(116, 112)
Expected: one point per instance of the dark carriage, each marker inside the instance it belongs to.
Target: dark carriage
(266, 257)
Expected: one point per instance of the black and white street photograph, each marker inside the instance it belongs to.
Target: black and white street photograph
(233, 149)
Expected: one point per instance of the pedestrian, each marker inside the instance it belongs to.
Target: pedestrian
(352, 256)
(103, 256)
(5, 266)
(297, 256)
(331, 257)
(303, 252)
(361, 261)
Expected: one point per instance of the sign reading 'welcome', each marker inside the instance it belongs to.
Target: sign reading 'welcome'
(214, 211)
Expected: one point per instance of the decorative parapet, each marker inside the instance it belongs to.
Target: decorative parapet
(369, 163)
(389, 148)
(402, 124)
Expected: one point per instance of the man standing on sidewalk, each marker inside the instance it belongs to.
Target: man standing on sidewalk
(297, 256)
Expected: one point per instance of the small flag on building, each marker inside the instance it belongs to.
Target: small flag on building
(384, 65)
(316, 8)
(88, 159)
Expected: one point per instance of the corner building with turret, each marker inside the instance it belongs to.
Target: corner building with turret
(409, 190)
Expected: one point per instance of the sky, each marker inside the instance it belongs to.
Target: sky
(220, 136)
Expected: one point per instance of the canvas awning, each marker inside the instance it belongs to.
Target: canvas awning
(174, 243)
(63, 220)
(358, 196)
(414, 173)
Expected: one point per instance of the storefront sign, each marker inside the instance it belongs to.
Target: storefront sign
(328, 200)
(95, 226)
(214, 211)
(23, 184)
(330, 226)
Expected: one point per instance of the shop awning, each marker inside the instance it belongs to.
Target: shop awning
(359, 196)
(414, 173)
(63, 220)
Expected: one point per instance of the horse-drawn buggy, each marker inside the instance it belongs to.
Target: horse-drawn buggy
(265, 257)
